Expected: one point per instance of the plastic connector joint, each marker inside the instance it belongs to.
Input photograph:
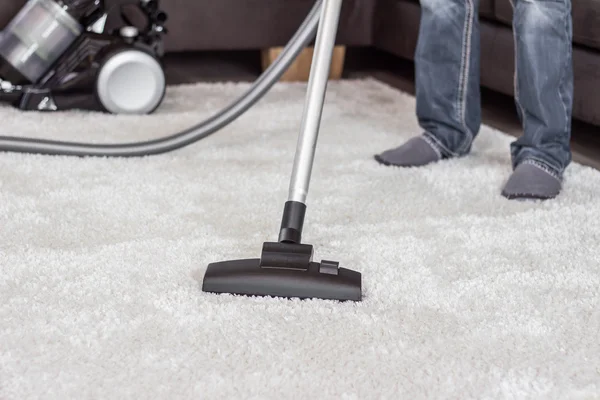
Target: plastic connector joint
(292, 222)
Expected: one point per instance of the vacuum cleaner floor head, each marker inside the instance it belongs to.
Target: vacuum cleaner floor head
(284, 270)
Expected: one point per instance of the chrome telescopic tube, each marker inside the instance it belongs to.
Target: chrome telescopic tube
(315, 98)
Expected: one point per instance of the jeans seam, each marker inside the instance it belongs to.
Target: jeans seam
(464, 73)
(439, 145)
(543, 165)
(433, 145)
(516, 74)
(562, 79)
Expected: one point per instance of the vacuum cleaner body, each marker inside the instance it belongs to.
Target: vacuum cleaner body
(57, 55)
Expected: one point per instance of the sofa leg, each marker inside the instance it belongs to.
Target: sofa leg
(299, 71)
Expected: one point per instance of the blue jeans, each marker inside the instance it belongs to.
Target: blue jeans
(448, 87)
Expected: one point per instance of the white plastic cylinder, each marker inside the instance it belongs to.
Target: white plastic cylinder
(34, 40)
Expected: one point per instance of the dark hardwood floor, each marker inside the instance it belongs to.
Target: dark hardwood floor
(498, 110)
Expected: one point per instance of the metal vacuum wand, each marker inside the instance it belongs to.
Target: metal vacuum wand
(295, 208)
(286, 268)
(315, 99)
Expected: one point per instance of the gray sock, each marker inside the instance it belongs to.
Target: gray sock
(531, 182)
(414, 153)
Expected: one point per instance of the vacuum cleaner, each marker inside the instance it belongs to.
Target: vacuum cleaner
(285, 267)
(57, 55)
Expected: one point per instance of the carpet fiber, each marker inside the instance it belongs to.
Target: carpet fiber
(466, 294)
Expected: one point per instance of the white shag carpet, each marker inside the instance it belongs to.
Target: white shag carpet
(466, 295)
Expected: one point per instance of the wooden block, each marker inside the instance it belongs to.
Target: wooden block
(299, 71)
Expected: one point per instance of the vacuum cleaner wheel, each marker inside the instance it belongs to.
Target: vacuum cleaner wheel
(131, 82)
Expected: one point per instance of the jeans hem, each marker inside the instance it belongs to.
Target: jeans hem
(444, 151)
(545, 166)
(434, 145)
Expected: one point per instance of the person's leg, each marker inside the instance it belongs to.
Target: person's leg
(544, 97)
(447, 84)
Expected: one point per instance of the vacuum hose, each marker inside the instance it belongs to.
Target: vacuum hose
(303, 37)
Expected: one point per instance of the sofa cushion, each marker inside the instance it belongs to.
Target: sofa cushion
(586, 20)
(238, 25)
(486, 8)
